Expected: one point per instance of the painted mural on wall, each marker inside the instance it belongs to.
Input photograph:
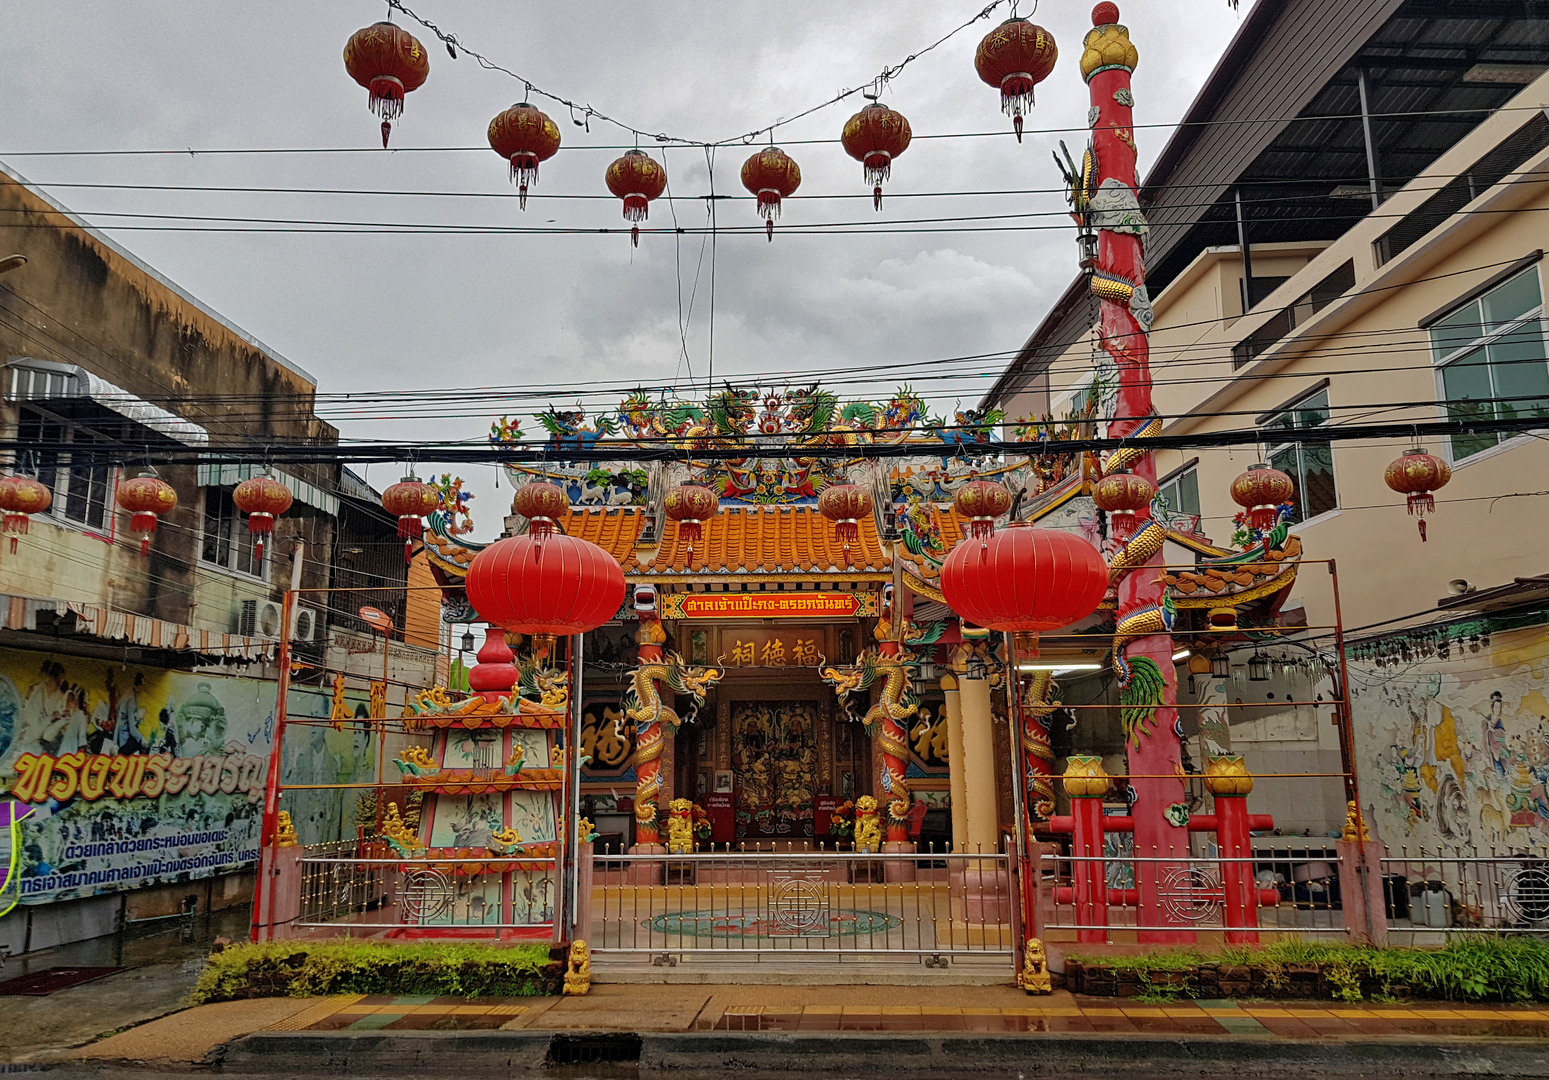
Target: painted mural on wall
(135, 775)
(774, 758)
(1458, 752)
(342, 752)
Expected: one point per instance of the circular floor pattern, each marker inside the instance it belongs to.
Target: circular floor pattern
(842, 922)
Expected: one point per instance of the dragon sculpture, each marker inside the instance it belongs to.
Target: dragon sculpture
(654, 719)
(887, 720)
(1036, 709)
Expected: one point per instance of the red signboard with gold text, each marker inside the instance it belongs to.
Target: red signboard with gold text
(768, 605)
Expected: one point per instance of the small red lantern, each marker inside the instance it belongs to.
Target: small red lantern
(845, 505)
(389, 62)
(771, 175)
(690, 505)
(565, 585)
(637, 178)
(542, 504)
(874, 137)
(1123, 495)
(410, 500)
(524, 135)
(981, 502)
(1024, 580)
(146, 496)
(261, 498)
(20, 498)
(1015, 57)
(1418, 474)
(1262, 491)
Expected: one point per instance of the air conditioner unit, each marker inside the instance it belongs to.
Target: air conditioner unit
(303, 623)
(260, 618)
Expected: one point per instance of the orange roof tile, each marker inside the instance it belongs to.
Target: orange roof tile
(738, 540)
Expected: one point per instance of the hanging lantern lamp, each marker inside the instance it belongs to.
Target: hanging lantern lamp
(1258, 668)
(1122, 495)
(542, 504)
(691, 505)
(771, 175)
(20, 498)
(1015, 57)
(410, 500)
(389, 62)
(262, 499)
(1417, 475)
(563, 586)
(1262, 491)
(981, 502)
(637, 178)
(874, 137)
(524, 135)
(146, 497)
(845, 505)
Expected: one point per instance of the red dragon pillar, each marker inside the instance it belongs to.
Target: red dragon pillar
(1107, 197)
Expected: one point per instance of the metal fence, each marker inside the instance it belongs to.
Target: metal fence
(1428, 891)
(803, 906)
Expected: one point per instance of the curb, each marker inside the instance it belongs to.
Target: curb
(690, 1055)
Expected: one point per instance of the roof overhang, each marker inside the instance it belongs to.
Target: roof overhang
(49, 382)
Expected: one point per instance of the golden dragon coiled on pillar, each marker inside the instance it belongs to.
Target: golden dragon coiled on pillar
(654, 719)
(886, 720)
(1036, 744)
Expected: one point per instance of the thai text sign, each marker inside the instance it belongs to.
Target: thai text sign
(761, 605)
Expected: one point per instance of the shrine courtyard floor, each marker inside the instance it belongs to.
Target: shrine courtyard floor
(754, 1031)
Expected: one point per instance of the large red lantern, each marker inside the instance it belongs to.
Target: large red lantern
(637, 178)
(1015, 57)
(262, 499)
(981, 502)
(874, 137)
(389, 62)
(524, 135)
(20, 498)
(542, 504)
(845, 505)
(1024, 580)
(1418, 474)
(1122, 495)
(771, 175)
(691, 505)
(410, 500)
(1262, 491)
(564, 585)
(146, 497)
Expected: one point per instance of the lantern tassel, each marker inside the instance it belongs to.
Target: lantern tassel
(1421, 523)
(876, 197)
(408, 552)
(1016, 122)
(145, 546)
(387, 130)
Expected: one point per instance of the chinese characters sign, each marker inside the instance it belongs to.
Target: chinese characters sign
(769, 648)
(763, 605)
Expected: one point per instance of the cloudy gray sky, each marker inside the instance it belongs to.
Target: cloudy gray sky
(431, 310)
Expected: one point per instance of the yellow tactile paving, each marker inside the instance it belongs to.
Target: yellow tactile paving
(313, 1013)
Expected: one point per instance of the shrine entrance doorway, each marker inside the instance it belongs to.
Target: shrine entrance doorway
(775, 762)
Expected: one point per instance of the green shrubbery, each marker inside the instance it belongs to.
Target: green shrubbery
(1468, 969)
(294, 969)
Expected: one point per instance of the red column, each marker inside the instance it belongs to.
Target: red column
(1236, 877)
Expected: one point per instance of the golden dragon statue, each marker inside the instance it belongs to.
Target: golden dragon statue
(887, 720)
(1036, 709)
(654, 719)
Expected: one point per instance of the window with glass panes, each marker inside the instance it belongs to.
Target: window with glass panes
(1181, 491)
(1309, 464)
(227, 543)
(80, 485)
(1491, 358)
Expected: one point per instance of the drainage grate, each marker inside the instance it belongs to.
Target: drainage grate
(594, 1049)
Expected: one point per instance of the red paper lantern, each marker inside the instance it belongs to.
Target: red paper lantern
(637, 178)
(1122, 495)
(1418, 474)
(409, 500)
(771, 175)
(981, 502)
(524, 135)
(20, 498)
(690, 505)
(146, 497)
(262, 499)
(564, 585)
(389, 62)
(542, 504)
(845, 505)
(874, 137)
(1262, 491)
(1024, 580)
(1015, 57)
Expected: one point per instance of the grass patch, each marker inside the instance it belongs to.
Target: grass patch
(1507, 969)
(292, 969)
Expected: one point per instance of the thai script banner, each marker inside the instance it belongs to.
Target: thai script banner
(760, 605)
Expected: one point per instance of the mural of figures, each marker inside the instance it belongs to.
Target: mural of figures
(774, 758)
(1458, 753)
(133, 775)
(318, 753)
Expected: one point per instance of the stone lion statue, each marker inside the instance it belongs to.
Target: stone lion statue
(578, 970)
(1034, 976)
(868, 830)
(680, 828)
